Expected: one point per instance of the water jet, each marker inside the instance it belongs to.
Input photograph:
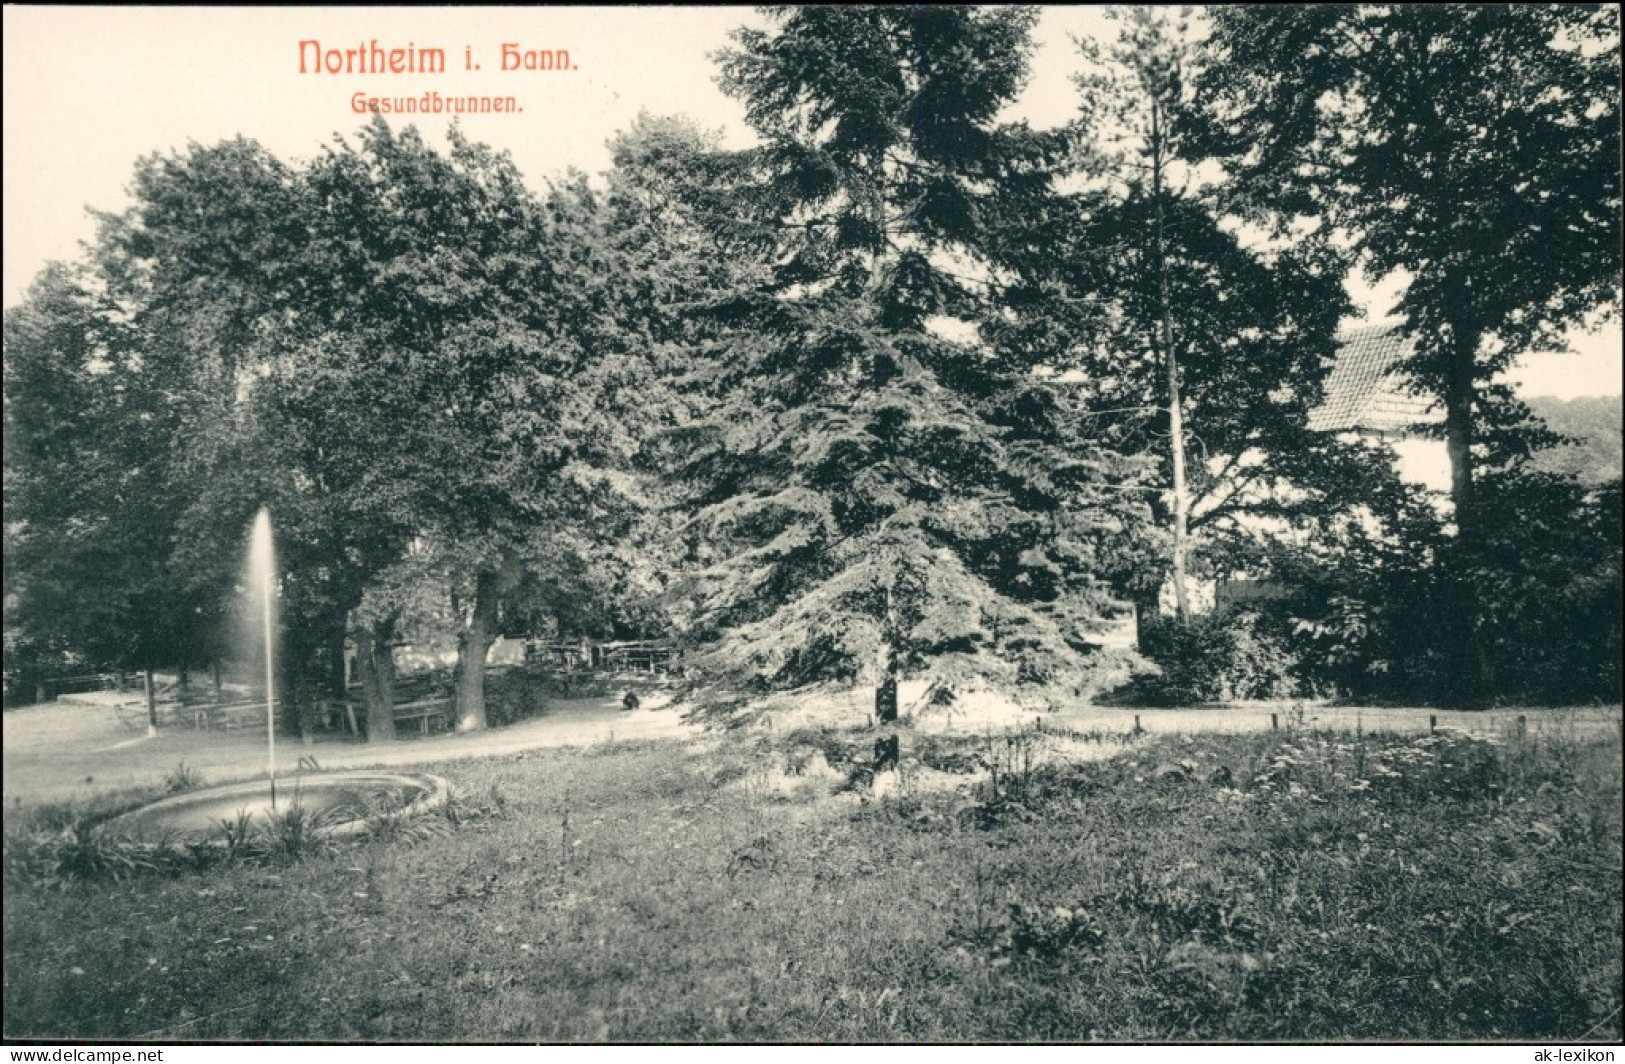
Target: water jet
(262, 576)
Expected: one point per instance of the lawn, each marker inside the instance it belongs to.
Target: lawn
(1026, 885)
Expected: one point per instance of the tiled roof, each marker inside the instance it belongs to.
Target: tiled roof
(1366, 387)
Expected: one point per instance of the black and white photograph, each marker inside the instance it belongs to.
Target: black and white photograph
(812, 525)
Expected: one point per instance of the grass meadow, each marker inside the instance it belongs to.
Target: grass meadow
(761, 885)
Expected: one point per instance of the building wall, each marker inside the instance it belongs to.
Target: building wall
(1424, 462)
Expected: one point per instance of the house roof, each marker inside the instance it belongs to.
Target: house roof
(1365, 389)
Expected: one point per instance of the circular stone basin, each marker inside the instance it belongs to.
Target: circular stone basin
(338, 802)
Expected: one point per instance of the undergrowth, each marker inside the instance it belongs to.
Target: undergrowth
(1294, 886)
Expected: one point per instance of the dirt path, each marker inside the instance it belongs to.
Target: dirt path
(60, 751)
(1263, 716)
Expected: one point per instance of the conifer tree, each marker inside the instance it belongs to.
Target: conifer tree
(874, 494)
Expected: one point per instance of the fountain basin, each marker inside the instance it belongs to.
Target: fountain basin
(338, 802)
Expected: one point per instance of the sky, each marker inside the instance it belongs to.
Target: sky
(90, 90)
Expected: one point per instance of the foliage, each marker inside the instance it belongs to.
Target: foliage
(388, 345)
(92, 478)
(1373, 595)
(182, 777)
(515, 695)
(1397, 123)
(1590, 427)
(62, 848)
(1472, 150)
(1145, 274)
(885, 394)
(868, 495)
(1240, 654)
(1549, 576)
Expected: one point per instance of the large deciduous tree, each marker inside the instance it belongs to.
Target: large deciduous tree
(1189, 342)
(1476, 148)
(477, 320)
(226, 263)
(92, 483)
(390, 344)
(174, 296)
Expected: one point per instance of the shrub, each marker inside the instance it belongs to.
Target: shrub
(1545, 572)
(182, 777)
(514, 695)
(1239, 654)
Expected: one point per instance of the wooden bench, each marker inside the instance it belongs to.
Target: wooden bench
(230, 716)
(53, 686)
(425, 713)
(429, 709)
(204, 716)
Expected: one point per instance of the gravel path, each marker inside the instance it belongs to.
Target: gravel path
(60, 751)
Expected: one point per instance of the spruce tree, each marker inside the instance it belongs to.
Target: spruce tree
(874, 491)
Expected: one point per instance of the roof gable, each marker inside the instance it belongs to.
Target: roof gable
(1366, 388)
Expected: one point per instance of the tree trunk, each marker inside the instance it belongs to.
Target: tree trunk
(1176, 413)
(473, 643)
(886, 700)
(375, 660)
(1176, 439)
(369, 684)
(1470, 682)
(152, 703)
(214, 680)
(1458, 428)
(338, 678)
(886, 691)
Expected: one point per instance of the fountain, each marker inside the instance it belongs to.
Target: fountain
(338, 801)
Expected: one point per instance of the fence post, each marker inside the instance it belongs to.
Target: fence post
(1275, 722)
(1433, 723)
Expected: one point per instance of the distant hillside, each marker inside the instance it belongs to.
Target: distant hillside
(1593, 421)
